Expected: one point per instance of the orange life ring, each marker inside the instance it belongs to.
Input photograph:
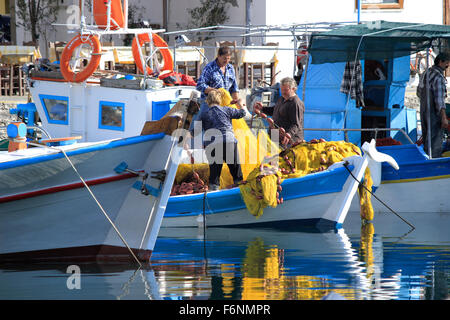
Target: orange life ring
(76, 41)
(101, 17)
(158, 42)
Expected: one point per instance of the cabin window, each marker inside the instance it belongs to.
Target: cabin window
(56, 108)
(112, 115)
(380, 4)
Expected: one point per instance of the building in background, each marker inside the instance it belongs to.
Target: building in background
(173, 15)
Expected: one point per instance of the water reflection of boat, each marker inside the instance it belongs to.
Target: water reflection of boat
(430, 229)
(274, 264)
(372, 262)
(413, 261)
(271, 264)
(46, 281)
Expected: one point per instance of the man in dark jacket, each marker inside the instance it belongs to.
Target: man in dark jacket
(437, 93)
(287, 113)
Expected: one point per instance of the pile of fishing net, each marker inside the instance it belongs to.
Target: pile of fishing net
(263, 185)
(265, 166)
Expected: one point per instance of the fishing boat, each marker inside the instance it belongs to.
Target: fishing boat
(87, 201)
(421, 182)
(320, 199)
(76, 101)
(74, 97)
(420, 185)
(92, 181)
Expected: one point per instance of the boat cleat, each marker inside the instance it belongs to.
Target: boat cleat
(160, 175)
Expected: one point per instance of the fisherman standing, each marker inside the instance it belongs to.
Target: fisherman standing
(437, 84)
(219, 74)
(288, 112)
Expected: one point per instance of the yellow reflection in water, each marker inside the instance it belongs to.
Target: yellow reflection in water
(227, 271)
(263, 278)
(366, 248)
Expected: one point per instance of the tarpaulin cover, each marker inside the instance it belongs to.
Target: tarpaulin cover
(376, 40)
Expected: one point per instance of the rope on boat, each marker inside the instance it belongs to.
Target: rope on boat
(361, 184)
(93, 196)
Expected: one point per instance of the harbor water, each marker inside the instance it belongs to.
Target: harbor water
(386, 260)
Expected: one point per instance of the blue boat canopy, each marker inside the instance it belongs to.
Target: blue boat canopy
(377, 40)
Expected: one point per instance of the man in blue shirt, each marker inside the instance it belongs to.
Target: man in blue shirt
(219, 74)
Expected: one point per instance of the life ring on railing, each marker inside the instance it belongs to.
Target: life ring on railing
(158, 42)
(66, 56)
(101, 14)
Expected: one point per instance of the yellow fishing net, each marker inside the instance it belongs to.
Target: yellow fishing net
(263, 183)
(264, 166)
(365, 202)
(252, 149)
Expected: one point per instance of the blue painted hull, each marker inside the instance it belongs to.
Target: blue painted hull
(306, 202)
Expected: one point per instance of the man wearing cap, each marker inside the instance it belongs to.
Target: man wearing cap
(437, 83)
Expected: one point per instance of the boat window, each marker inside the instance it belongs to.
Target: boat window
(56, 108)
(112, 115)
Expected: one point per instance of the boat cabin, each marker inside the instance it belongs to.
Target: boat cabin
(384, 84)
(102, 109)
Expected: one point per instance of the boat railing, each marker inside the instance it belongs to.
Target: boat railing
(345, 130)
(376, 130)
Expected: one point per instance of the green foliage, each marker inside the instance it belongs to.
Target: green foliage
(135, 15)
(37, 16)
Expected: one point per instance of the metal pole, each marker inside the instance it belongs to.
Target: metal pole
(81, 4)
(108, 15)
(175, 56)
(428, 113)
(304, 74)
(248, 20)
(295, 51)
(125, 13)
(359, 11)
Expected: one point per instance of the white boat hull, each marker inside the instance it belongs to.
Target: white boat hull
(46, 213)
(421, 185)
(414, 196)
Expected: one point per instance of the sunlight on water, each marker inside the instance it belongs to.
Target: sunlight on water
(379, 261)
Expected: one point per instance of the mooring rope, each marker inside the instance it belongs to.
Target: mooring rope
(370, 191)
